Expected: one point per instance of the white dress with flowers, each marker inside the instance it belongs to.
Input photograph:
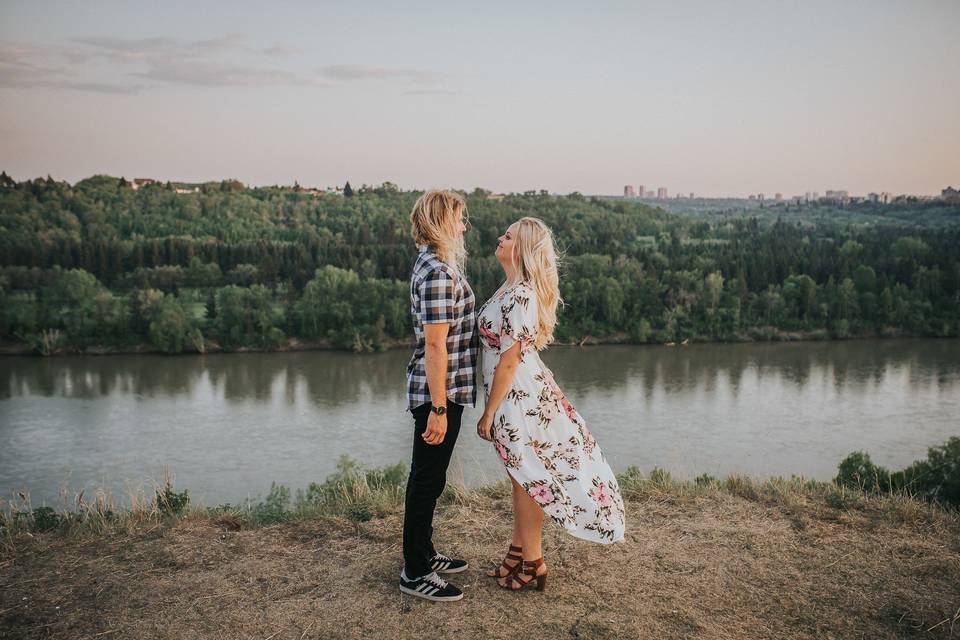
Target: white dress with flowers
(541, 439)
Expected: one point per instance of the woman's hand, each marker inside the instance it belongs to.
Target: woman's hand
(485, 427)
(436, 429)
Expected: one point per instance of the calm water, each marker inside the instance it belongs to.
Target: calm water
(228, 425)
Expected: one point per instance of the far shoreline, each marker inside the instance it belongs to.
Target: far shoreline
(754, 336)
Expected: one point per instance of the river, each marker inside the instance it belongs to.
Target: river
(227, 425)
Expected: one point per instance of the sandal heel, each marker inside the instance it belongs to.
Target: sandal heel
(527, 576)
(541, 582)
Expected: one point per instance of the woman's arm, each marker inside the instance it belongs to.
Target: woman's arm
(436, 363)
(502, 381)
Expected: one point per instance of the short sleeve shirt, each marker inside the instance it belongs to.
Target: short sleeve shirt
(439, 294)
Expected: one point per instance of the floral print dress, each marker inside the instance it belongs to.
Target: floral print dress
(541, 439)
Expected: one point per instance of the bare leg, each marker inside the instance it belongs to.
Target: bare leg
(515, 539)
(528, 522)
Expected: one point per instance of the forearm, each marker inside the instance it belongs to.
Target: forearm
(502, 382)
(436, 365)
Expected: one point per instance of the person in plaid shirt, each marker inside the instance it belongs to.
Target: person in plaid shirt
(440, 382)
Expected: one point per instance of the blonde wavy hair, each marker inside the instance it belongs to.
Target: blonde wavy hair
(433, 222)
(534, 256)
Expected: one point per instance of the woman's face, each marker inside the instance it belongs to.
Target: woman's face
(459, 228)
(505, 245)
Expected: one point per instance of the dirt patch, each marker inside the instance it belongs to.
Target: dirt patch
(706, 566)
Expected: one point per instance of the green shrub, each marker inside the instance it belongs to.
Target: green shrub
(660, 477)
(45, 519)
(937, 477)
(351, 483)
(706, 480)
(359, 512)
(274, 508)
(858, 471)
(171, 503)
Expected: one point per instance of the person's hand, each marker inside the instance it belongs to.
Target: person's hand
(436, 429)
(485, 427)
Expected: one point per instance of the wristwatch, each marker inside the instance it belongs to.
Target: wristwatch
(439, 410)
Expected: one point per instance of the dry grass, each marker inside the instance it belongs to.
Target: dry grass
(735, 559)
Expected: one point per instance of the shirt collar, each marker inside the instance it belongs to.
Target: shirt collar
(423, 247)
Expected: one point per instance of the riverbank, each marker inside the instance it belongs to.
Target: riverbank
(754, 334)
(737, 558)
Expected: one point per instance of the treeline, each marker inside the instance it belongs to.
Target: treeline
(99, 263)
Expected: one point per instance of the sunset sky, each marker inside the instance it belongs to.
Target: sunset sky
(718, 98)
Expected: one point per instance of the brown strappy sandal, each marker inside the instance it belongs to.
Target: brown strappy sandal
(530, 568)
(513, 554)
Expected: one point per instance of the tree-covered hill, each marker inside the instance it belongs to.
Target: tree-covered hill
(102, 263)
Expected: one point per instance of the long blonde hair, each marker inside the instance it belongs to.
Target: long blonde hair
(433, 221)
(534, 256)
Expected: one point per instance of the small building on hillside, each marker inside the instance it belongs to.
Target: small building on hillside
(142, 182)
(950, 195)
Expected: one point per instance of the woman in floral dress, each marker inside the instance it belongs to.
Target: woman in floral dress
(554, 463)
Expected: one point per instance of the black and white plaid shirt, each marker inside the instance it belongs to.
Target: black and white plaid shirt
(439, 294)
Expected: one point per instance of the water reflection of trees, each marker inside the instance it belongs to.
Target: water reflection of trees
(84, 377)
(328, 378)
(848, 366)
(338, 378)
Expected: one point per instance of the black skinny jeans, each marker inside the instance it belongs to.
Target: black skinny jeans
(428, 477)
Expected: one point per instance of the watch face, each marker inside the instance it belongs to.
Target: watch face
(440, 410)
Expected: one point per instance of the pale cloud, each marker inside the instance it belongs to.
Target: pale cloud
(353, 72)
(209, 74)
(280, 49)
(429, 92)
(17, 71)
(138, 49)
(93, 63)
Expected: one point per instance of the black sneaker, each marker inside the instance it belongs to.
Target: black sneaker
(431, 587)
(445, 564)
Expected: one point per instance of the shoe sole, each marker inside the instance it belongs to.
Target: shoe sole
(411, 592)
(457, 570)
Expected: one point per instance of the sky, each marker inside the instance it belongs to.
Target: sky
(715, 98)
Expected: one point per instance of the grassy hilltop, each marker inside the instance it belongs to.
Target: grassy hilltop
(732, 558)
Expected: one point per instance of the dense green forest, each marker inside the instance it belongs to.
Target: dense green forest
(99, 264)
(906, 213)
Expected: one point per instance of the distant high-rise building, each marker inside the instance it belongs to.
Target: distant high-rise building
(691, 195)
(649, 194)
(836, 195)
(629, 191)
(662, 193)
(752, 197)
(759, 196)
(641, 191)
(950, 194)
(778, 197)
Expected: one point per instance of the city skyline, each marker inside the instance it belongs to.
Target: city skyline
(723, 101)
(661, 193)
